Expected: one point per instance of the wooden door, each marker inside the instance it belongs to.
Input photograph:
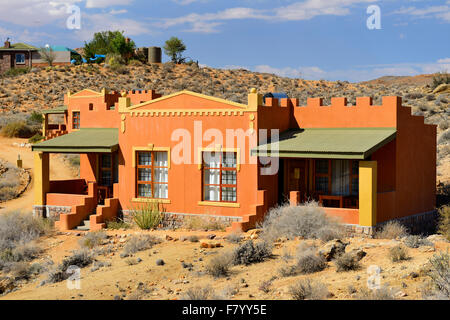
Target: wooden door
(296, 177)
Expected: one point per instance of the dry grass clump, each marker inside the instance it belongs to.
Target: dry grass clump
(383, 293)
(308, 221)
(234, 237)
(79, 258)
(306, 289)
(19, 129)
(9, 182)
(444, 221)
(439, 274)
(346, 262)
(93, 239)
(252, 252)
(219, 266)
(139, 243)
(204, 223)
(398, 253)
(414, 241)
(199, 293)
(308, 261)
(392, 230)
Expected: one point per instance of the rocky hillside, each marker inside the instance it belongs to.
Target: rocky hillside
(45, 88)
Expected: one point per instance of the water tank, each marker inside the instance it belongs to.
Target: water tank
(154, 55)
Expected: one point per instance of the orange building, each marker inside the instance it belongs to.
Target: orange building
(205, 156)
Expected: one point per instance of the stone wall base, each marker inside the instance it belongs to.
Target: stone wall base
(51, 212)
(422, 223)
(176, 220)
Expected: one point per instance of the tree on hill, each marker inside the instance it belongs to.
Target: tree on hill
(109, 42)
(47, 55)
(173, 48)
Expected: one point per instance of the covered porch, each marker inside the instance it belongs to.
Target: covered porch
(54, 124)
(330, 166)
(90, 200)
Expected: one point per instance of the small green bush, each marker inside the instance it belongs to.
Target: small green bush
(36, 117)
(440, 78)
(117, 224)
(13, 72)
(147, 216)
(36, 138)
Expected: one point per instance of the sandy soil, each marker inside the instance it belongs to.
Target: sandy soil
(9, 152)
(171, 280)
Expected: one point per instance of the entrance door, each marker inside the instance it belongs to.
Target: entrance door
(295, 177)
(108, 174)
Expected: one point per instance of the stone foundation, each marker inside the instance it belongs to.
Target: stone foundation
(176, 220)
(51, 212)
(422, 223)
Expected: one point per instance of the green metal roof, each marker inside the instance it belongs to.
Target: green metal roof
(20, 46)
(328, 143)
(57, 110)
(82, 141)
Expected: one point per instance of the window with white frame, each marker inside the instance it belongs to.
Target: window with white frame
(219, 176)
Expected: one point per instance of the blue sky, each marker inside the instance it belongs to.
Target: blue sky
(313, 39)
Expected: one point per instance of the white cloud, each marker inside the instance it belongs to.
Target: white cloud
(359, 73)
(106, 3)
(103, 21)
(206, 23)
(118, 11)
(34, 12)
(439, 12)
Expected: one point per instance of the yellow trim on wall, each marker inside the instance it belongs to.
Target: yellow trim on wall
(150, 147)
(218, 148)
(219, 204)
(148, 200)
(368, 193)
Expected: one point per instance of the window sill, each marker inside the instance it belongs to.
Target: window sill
(219, 204)
(165, 201)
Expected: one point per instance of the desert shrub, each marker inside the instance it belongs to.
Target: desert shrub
(307, 221)
(135, 63)
(219, 265)
(92, 239)
(439, 274)
(264, 286)
(203, 223)
(79, 258)
(18, 129)
(398, 253)
(24, 270)
(19, 228)
(288, 270)
(131, 261)
(147, 216)
(117, 224)
(139, 243)
(444, 221)
(328, 233)
(391, 230)
(309, 262)
(440, 78)
(36, 138)
(36, 117)
(199, 293)
(346, 262)
(414, 241)
(383, 293)
(252, 252)
(306, 289)
(193, 238)
(234, 237)
(13, 72)
(444, 137)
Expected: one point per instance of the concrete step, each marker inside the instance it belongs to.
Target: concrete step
(85, 226)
